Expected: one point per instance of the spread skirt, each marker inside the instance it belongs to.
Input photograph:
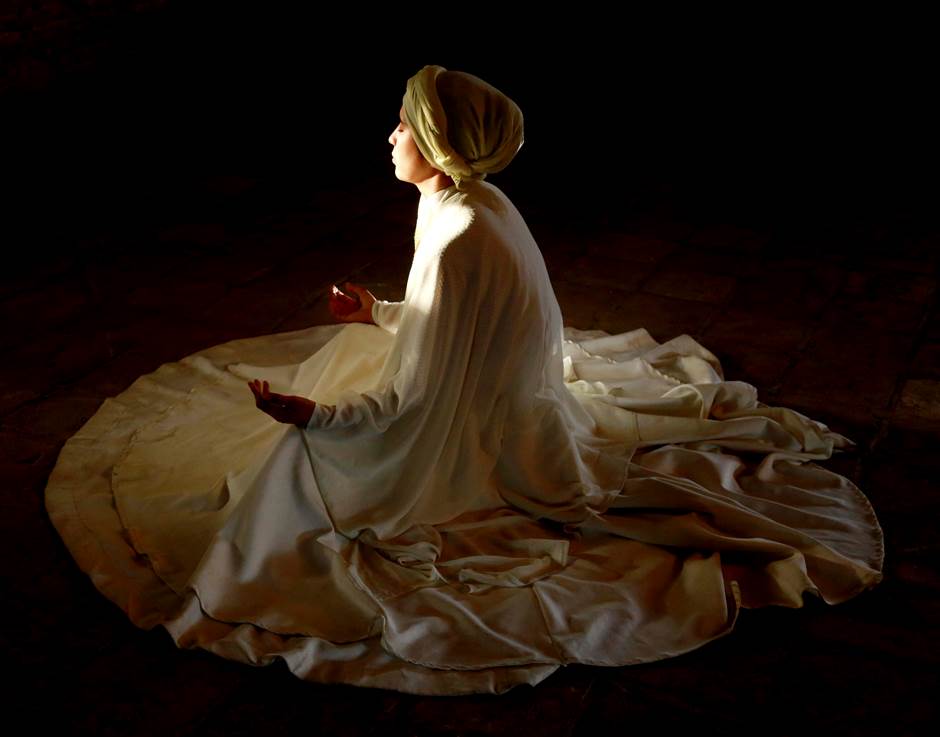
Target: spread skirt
(191, 509)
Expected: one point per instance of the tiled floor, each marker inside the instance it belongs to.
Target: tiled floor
(840, 324)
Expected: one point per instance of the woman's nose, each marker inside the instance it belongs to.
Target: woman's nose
(391, 138)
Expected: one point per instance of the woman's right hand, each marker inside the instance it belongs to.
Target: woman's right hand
(355, 305)
(286, 408)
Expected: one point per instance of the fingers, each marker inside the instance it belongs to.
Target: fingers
(363, 295)
(287, 408)
(358, 291)
(344, 293)
(342, 305)
(254, 385)
(262, 391)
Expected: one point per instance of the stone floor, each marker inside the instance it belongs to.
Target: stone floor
(839, 322)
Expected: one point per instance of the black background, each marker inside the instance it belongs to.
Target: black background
(788, 121)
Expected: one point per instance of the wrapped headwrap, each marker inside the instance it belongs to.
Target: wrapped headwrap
(462, 125)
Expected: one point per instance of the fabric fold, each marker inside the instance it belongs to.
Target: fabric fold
(481, 496)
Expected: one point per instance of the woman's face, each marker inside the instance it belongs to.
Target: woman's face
(410, 165)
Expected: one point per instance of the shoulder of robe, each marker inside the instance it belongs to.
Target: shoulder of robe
(452, 219)
(471, 219)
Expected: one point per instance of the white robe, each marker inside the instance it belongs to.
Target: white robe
(480, 497)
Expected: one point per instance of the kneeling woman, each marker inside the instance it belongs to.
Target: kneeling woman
(459, 494)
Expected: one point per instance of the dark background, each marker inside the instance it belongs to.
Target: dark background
(111, 108)
(180, 174)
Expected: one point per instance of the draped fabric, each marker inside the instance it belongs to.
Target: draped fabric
(480, 497)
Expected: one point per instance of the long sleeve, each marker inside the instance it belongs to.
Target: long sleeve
(387, 315)
(377, 453)
(321, 415)
(430, 345)
(471, 390)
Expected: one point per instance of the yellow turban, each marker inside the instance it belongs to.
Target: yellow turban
(462, 125)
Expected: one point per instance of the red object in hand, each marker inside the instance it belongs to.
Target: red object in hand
(343, 304)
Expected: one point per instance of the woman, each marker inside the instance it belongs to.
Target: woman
(458, 495)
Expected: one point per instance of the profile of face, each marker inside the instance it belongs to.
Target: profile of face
(410, 165)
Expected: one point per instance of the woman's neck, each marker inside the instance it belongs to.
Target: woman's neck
(435, 183)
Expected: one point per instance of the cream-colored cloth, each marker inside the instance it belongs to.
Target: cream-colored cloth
(462, 125)
(492, 497)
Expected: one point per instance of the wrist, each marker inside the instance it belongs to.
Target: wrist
(306, 412)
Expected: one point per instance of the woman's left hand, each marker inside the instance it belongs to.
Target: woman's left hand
(286, 408)
(355, 305)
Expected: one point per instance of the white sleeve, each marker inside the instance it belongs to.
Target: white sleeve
(429, 344)
(322, 413)
(387, 315)
(377, 455)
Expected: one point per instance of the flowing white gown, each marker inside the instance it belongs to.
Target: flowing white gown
(481, 496)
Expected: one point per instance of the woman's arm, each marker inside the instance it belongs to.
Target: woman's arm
(431, 347)
(294, 410)
(362, 306)
(387, 315)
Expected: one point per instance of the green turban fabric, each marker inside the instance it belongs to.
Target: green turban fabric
(462, 125)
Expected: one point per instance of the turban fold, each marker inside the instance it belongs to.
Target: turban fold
(462, 125)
